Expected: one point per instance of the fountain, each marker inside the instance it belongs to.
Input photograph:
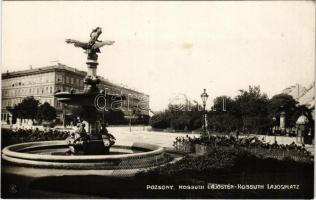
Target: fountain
(92, 149)
(97, 141)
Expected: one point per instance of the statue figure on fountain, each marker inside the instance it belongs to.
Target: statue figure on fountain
(77, 141)
(93, 46)
(107, 136)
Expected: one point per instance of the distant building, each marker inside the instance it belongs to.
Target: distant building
(308, 98)
(304, 95)
(42, 83)
(296, 91)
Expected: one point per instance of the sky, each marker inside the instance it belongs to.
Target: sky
(167, 48)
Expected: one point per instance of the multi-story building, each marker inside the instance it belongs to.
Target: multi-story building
(42, 83)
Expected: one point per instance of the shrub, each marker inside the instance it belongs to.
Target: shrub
(9, 137)
(252, 144)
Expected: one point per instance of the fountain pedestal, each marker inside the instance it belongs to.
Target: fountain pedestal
(95, 143)
(97, 147)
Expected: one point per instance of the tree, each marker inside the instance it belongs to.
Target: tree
(283, 103)
(114, 117)
(27, 109)
(178, 119)
(46, 112)
(252, 106)
(218, 103)
(223, 121)
(160, 120)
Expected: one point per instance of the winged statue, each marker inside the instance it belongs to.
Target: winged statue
(94, 44)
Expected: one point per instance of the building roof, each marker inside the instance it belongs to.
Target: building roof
(41, 70)
(62, 67)
(296, 91)
(107, 82)
(308, 98)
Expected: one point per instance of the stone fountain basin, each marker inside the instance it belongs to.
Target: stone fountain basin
(84, 99)
(39, 155)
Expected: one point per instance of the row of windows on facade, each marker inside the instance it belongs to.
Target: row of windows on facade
(70, 80)
(34, 91)
(28, 91)
(28, 80)
(46, 78)
(39, 79)
(40, 90)
(66, 89)
(12, 102)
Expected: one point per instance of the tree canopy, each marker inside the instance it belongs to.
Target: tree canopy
(283, 103)
(30, 108)
(27, 109)
(250, 111)
(46, 112)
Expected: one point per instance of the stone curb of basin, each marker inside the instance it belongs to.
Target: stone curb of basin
(45, 172)
(41, 171)
(13, 154)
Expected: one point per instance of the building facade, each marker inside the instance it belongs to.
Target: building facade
(42, 83)
(303, 95)
(296, 91)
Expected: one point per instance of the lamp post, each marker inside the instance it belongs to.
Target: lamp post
(274, 125)
(204, 97)
(130, 123)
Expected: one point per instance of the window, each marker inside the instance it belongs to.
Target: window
(50, 89)
(67, 79)
(59, 78)
(71, 80)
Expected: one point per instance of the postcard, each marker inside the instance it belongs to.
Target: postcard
(158, 99)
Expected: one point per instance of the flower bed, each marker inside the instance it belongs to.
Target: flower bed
(253, 145)
(9, 137)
